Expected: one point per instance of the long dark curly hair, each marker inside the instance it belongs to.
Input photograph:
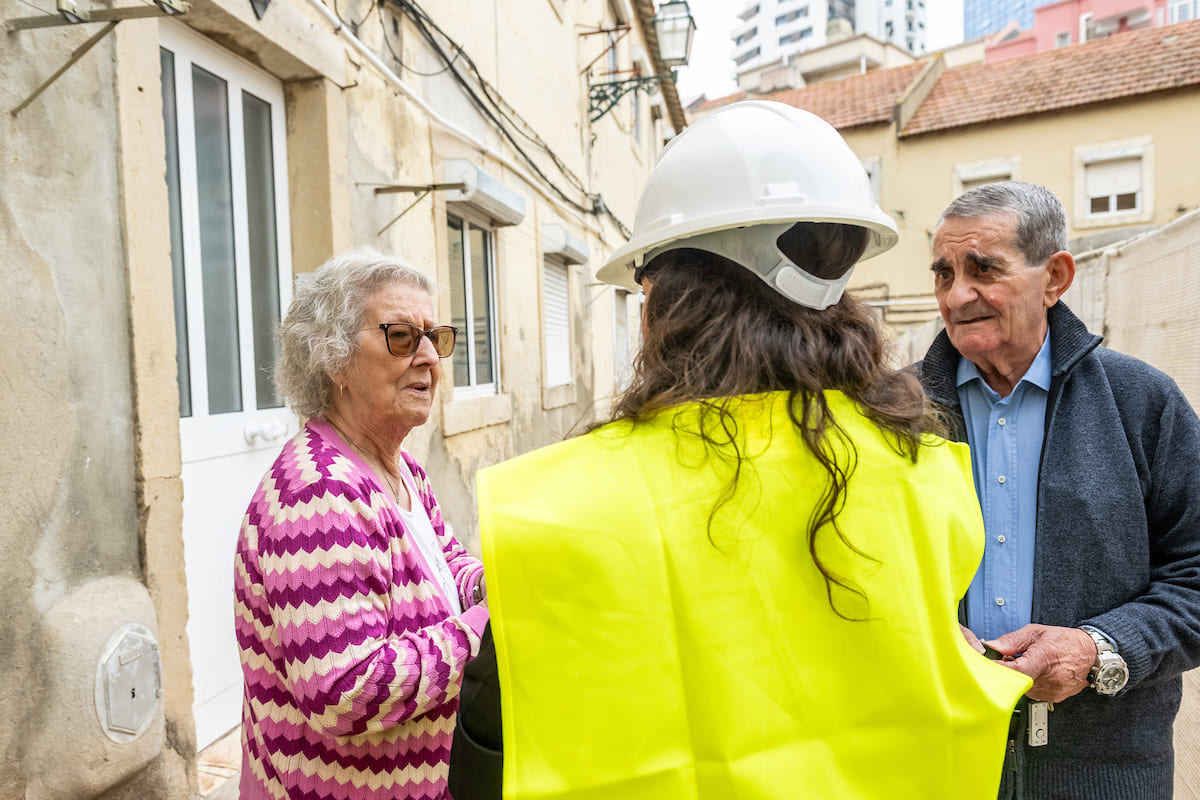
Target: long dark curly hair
(713, 331)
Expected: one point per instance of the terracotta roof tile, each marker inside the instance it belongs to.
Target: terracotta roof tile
(718, 102)
(858, 100)
(1127, 64)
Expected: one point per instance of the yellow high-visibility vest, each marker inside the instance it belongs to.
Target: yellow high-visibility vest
(646, 653)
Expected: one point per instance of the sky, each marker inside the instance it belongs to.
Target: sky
(710, 70)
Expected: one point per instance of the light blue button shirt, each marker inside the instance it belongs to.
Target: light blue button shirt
(1006, 437)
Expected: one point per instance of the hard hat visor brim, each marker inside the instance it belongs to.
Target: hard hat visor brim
(618, 270)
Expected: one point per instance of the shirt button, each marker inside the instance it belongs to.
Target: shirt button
(1001, 421)
(999, 601)
(1002, 538)
(1001, 479)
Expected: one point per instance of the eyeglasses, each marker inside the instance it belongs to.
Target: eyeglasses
(403, 339)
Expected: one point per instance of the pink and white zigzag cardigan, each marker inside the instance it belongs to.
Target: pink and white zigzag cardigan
(352, 663)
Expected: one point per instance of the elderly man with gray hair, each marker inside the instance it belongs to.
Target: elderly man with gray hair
(1087, 467)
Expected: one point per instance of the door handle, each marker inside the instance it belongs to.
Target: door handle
(267, 431)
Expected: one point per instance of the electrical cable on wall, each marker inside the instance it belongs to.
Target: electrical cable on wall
(500, 112)
(391, 49)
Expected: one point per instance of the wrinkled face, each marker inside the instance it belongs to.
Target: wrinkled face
(993, 303)
(387, 392)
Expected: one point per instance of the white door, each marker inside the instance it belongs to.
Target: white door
(231, 260)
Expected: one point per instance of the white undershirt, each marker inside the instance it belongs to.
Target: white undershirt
(421, 529)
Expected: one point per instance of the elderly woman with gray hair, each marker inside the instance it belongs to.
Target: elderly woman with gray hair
(356, 610)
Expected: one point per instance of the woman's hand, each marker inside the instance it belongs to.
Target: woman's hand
(479, 591)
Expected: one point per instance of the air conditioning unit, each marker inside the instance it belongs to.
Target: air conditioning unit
(483, 193)
(558, 242)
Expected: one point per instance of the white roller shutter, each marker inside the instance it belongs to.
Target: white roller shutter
(1113, 185)
(556, 325)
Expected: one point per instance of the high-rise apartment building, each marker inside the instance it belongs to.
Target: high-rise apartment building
(772, 30)
(981, 17)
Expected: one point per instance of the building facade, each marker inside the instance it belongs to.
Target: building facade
(1067, 22)
(771, 33)
(168, 181)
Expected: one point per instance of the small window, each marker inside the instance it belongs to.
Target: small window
(1114, 183)
(1062, 39)
(971, 175)
(1113, 186)
(556, 324)
(636, 127)
(745, 37)
(746, 56)
(472, 302)
(613, 57)
(1185, 10)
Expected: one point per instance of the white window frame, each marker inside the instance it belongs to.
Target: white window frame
(993, 169)
(473, 389)
(203, 434)
(1142, 148)
(1177, 11)
(1062, 39)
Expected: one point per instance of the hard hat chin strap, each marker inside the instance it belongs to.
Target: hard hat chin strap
(755, 249)
(809, 291)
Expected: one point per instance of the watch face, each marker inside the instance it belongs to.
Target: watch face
(1110, 678)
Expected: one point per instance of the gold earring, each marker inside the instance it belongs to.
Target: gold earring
(341, 390)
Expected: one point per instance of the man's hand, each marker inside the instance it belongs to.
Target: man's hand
(971, 638)
(1058, 659)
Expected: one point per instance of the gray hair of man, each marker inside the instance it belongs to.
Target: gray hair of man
(1041, 229)
(316, 338)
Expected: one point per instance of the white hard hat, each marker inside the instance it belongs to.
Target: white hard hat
(735, 180)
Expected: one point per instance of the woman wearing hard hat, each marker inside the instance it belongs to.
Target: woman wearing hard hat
(746, 584)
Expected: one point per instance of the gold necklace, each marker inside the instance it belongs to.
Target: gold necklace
(394, 488)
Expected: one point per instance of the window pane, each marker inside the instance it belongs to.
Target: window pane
(481, 329)
(458, 301)
(1127, 202)
(214, 194)
(1100, 205)
(264, 258)
(175, 209)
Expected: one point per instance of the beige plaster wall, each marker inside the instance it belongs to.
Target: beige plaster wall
(90, 402)
(918, 171)
(74, 562)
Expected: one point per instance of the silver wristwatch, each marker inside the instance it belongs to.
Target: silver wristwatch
(1109, 674)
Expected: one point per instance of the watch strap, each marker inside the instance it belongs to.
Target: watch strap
(1103, 643)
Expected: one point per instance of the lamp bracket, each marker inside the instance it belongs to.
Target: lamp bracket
(603, 96)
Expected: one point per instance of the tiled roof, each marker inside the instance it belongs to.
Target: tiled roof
(717, 102)
(858, 100)
(1127, 64)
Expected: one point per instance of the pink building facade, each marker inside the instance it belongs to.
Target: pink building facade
(1068, 22)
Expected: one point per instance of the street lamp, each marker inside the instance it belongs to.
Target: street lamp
(674, 29)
